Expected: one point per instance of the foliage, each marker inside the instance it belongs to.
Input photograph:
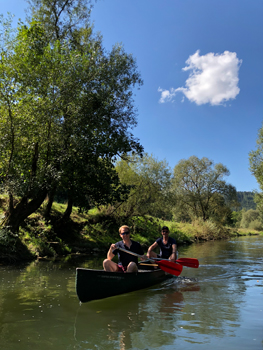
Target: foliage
(66, 111)
(246, 200)
(200, 190)
(149, 181)
(12, 248)
(256, 159)
(7, 239)
(91, 233)
(256, 225)
(209, 230)
(258, 198)
(62, 18)
(251, 219)
(237, 217)
(256, 168)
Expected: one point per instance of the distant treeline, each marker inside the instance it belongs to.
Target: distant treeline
(246, 200)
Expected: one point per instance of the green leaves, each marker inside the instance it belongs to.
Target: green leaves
(200, 190)
(66, 107)
(149, 181)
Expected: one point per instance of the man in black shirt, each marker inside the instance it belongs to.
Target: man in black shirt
(127, 262)
(167, 245)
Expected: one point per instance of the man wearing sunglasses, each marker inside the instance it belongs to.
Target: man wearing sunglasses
(167, 245)
(127, 262)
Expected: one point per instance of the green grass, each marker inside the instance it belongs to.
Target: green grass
(95, 231)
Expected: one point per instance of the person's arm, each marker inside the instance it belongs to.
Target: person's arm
(173, 255)
(110, 254)
(143, 257)
(153, 246)
(140, 251)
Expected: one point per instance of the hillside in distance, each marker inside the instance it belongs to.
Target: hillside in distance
(246, 200)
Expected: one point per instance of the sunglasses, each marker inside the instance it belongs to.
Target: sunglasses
(125, 233)
(164, 231)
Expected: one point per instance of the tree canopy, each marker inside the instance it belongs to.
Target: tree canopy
(200, 189)
(149, 181)
(256, 168)
(67, 109)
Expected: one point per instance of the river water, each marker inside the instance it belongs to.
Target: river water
(217, 306)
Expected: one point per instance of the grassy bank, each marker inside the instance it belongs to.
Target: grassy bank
(94, 232)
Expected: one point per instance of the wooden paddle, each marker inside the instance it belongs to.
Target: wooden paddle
(167, 266)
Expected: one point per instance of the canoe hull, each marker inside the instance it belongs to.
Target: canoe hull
(99, 284)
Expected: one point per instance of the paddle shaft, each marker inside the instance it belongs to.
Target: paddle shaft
(190, 262)
(129, 252)
(167, 266)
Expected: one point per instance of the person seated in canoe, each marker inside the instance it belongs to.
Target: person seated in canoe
(127, 262)
(167, 245)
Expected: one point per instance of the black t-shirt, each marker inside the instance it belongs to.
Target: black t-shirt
(165, 249)
(126, 258)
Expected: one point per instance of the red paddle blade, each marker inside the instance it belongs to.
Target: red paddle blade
(170, 267)
(190, 262)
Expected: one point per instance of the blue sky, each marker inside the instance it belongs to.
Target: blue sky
(201, 63)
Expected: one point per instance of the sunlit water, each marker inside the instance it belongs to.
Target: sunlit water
(217, 306)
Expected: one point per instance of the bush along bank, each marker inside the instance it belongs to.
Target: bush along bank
(94, 232)
(82, 234)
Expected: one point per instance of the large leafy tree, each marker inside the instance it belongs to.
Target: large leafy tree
(67, 110)
(62, 18)
(256, 167)
(200, 189)
(149, 181)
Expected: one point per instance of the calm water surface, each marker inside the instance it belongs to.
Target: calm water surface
(219, 305)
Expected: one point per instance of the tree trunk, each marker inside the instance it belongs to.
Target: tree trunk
(11, 203)
(51, 196)
(68, 210)
(22, 210)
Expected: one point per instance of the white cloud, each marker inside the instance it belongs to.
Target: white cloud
(166, 95)
(213, 79)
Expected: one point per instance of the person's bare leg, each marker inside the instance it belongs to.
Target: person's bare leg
(132, 267)
(110, 266)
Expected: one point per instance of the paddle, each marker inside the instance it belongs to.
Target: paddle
(190, 262)
(167, 266)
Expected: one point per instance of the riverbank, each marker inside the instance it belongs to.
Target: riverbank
(93, 232)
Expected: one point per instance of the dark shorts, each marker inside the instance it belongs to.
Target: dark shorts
(122, 268)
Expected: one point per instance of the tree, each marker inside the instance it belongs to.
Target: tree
(149, 181)
(251, 219)
(62, 19)
(200, 190)
(67, 111)
(256, 168)
(237, 217)
(246, 200)
(256, 159)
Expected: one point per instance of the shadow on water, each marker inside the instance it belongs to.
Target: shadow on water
(132, 318)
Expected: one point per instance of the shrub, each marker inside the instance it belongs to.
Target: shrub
(209, 230)
(256, 225)
(248, 217)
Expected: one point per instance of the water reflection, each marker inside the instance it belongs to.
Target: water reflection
(133, 320)
(217, 305)
(129, 321)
